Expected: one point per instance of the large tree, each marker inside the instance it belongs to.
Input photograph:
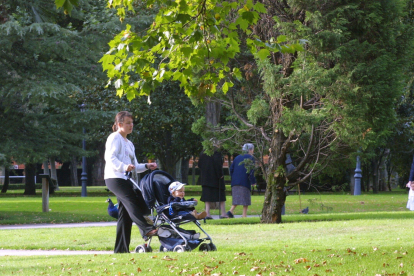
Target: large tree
(330, 98)
(48, 64)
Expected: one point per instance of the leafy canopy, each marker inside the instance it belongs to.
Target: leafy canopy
(191, 42)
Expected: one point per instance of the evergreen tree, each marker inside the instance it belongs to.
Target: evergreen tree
(48, 64)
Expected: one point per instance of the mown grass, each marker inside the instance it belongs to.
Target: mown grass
(26, 210)
(341, 235)
(358, 247)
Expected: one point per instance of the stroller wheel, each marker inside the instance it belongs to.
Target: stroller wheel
(179, 249)
(163, 249)
(213, 247)
(204, 247)
(143, 249)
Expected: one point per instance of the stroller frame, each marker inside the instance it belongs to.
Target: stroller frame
(161, 219)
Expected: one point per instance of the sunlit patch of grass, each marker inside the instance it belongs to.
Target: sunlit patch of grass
(359, 247)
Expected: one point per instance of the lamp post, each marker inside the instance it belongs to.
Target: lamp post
(357, 177)
(84, 175)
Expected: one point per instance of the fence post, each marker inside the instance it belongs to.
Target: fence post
(45, 191)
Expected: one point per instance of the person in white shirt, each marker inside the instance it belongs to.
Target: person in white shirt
(120, 158)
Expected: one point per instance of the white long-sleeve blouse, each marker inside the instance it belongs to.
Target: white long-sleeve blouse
(119, 153)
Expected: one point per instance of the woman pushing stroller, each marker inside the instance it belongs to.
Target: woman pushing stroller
(120, 158)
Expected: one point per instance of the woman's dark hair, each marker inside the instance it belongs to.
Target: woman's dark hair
(119, 118)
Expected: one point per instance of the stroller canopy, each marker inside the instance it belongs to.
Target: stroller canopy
(154, 187)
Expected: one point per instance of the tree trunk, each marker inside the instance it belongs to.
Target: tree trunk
(30, 172)
(53, 175)
(169, 160)
(193, 168)
(74, 172)
(352, 184)
(213, 110)
(6, 180)
(178, 175)
(365, 180)
(46, 167)
(275, 195)
(184, 169)
(374, 169)
(389, 182)
(99, 167)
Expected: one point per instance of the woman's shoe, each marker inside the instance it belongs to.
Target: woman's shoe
(208, 217)
(151, 233)
(223, 217)
(201, 215)
(230, 214)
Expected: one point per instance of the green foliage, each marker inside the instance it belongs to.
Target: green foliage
(48, 65)
(191, 42)
(259, 109)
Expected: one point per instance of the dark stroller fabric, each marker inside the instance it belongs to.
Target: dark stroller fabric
(154, 187)
(169, 238)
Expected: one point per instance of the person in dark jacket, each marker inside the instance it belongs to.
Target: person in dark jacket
(242, 179)
(212, 181)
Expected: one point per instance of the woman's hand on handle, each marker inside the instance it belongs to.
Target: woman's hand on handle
(152, 166)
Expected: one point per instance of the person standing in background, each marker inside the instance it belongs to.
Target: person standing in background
(242, 179)
(212, 181)
(410, 184)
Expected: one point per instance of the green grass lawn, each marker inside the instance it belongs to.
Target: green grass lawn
(341, 235)
(357, 247)
(24, 210)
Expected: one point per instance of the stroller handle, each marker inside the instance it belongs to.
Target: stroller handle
(129, 175)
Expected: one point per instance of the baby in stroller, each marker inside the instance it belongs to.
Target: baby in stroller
(177, 191)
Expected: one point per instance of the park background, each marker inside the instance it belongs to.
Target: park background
(318, 83)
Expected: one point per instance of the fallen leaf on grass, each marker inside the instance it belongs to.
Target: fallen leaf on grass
(301, 260)
(240, 254)
(254, 268)
(168, 258)
(350, 251)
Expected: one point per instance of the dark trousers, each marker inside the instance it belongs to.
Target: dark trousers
(131, 208)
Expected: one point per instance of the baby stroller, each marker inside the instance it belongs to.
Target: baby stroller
(154, 189)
